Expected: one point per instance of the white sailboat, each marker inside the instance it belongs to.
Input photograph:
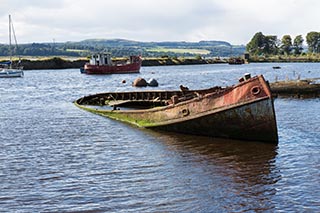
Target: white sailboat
(7, 69)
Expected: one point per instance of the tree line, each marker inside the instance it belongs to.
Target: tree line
(120, 48)
(270, 45)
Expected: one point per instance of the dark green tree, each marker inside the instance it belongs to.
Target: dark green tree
(286, 44)
(313, 41)
(257, 44)
(261, 44)
(271, 46)
(297, 45)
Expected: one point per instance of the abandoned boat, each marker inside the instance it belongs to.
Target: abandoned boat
(243, 111)
(101, 63)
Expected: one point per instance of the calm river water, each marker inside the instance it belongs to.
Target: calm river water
(55, 157)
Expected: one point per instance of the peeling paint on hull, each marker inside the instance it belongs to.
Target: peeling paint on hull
(244, 111)
(246, 122)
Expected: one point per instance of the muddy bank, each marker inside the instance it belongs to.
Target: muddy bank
(60, 63)
(54, 63)
(307, 88)
(178, 61)
(254, 59)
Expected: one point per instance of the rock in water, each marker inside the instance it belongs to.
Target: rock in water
(152, 82)
(139, 82)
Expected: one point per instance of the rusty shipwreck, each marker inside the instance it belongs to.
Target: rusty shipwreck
(242, 111)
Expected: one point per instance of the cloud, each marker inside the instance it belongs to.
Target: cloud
(235, 21)
(271, 17)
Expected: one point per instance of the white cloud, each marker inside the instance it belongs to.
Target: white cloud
(235, 21)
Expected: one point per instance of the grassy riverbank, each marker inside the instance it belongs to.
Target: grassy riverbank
(31, 63)
(180, 61)
(67, 62)
(281, 58)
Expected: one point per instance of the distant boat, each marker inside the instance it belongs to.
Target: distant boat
(276, 67)
(7, 69)
(243, 111)
(101, 63)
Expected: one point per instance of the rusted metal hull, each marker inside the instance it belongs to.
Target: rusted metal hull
(244, 111)
(252, 121)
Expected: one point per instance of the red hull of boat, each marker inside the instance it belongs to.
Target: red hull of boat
(112, 69)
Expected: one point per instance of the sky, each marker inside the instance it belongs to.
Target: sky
(234, 21)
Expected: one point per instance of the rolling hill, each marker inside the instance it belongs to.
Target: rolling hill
(123, 47)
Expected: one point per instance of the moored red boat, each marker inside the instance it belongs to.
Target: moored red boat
(243, 111)
(102, 64)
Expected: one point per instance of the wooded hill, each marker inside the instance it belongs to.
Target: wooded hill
(122, 47)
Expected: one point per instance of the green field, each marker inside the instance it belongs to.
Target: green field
(76, 50)
(177, 50)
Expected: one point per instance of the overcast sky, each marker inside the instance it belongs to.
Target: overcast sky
(235, 21)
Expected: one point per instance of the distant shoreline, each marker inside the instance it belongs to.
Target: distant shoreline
(284, 59)
(62, 63)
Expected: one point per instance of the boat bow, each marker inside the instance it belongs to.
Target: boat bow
(243, 111)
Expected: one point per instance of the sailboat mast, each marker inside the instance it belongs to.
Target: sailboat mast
(10, 51)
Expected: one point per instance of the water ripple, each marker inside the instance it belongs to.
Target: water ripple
(55, 157)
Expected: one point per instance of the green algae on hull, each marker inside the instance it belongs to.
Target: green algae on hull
(243, 111)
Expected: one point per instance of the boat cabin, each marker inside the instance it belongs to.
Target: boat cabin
(101, 59)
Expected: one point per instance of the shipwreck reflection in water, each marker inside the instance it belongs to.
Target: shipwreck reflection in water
(228, 173)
